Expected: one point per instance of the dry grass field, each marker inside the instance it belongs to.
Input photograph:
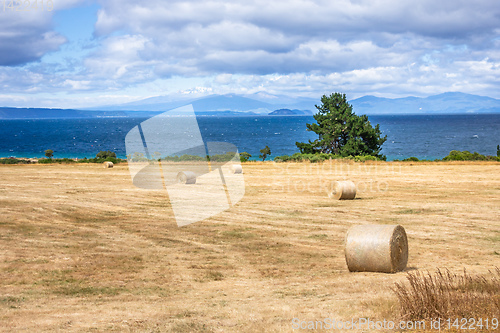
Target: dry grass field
(82, 249)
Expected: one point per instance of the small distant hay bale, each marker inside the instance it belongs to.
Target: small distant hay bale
(342, 190)
(108, 164)
(186, 177)
(376, 248)
(236, 168)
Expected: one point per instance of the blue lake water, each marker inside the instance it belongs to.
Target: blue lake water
(422, 136)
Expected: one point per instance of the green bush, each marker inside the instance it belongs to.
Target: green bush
(465, 155)
(12, 160)
(365, 158)
(221, 157)
(56, 160)
(104, 154)
(320, 157)
(182, 158)
(244, 156)
(411, 159)
(65, 160)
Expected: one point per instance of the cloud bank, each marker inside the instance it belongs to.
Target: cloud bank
(384, 47)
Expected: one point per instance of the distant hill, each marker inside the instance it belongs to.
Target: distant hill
(225, 113)
(43, 113)
(268, 104)
(35, 113)
(288, 112)
(447, 103)
(259, 103)
(209, 103)
(264, 103)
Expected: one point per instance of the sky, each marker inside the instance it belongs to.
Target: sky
(83, 53)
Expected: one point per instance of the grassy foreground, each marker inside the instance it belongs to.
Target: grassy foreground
(82, 249)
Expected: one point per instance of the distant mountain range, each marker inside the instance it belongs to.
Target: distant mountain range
(262, 103)
(37, 113)
(268, 104)
(288, 112)
(259, 103)
(447, 103)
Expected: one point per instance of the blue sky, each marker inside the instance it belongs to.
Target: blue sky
(87, 53)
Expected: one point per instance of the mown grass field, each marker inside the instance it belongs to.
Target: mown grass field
(82, 249)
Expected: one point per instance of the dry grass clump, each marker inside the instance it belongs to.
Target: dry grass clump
(448, 295)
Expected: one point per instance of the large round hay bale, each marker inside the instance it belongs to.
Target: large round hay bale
(186, 177)
(108, 164)
(236, 168)
(343, 190)
(376, 248)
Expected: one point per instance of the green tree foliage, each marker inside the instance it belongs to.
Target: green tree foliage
(104, 154)
(12, 160)
(498, 150)
(49, 153)
(465, 155)
(341, 131)
(244, 156)
(320, 157)
(264, 152)
(411, 159)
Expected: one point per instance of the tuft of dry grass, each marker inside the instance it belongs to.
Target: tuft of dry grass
(448, 295)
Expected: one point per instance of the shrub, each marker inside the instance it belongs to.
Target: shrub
(139, 157)
(104, 154)
(465, 155)
(218, 158)
(283, 158)
(65, 160)
(12, 160)
(411, 159)
(315, 159)
(56, 160)
(365, 158)
(244, 156)
(454, 155)
(320, 157)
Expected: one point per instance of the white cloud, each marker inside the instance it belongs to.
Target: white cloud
(27, 35)
(263, 37)
(305, 47)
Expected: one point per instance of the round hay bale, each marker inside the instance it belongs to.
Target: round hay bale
(376, 248)
(108, 164)
(236, 168)
(186, 177)
(343, 190)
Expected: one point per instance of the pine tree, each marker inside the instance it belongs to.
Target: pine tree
(341, 131)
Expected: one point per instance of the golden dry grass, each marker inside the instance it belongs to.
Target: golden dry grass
(82, 249)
